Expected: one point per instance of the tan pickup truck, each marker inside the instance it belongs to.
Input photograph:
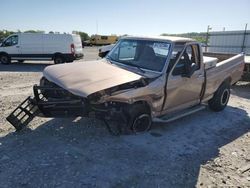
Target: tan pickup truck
(141, 80)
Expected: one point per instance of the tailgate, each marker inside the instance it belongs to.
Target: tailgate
(246, 75)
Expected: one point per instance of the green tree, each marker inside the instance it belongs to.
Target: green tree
(84, 36)
(4, 34)
(33, 31)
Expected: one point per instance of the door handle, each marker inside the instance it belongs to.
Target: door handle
(200, 76)
(17, 46)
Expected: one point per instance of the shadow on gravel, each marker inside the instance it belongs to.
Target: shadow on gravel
(242, 90)
(82, 153)
(24, 67)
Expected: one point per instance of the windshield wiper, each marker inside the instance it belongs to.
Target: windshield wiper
(133, 65)
(136, 66)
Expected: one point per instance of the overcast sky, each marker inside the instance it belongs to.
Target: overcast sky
(135, 17)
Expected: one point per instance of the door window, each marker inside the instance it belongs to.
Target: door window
(11, 41)
(178, 48)
(189, 57)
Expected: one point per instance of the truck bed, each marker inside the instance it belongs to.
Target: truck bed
(224, 56)
(231, 68)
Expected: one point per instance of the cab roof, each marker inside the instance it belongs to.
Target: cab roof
(161, 38)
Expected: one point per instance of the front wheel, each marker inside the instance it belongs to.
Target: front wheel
(5, 59)
(220, 98)
(136, 118)
(139, 118)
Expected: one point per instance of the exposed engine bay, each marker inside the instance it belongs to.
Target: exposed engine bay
(95, 105)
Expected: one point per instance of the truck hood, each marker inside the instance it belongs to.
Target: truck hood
(85, 78)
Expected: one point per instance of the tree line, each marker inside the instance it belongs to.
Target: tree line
(201, 37)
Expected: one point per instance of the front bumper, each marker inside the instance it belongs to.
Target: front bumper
(72, 57)
(23, 114)
(51, 101)
(44, 106)
(58, 107)
(79, 56)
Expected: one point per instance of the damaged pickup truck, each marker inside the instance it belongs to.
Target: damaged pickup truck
(140, 81)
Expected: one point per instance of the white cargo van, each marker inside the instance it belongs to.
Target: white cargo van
(36, 46)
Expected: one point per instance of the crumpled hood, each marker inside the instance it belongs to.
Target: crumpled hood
(85, 78)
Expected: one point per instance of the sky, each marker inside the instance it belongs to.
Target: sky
(133, 17)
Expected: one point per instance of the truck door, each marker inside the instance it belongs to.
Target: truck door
(182, 90)
(11, 46)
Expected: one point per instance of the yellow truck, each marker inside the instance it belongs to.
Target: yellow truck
(103, 39)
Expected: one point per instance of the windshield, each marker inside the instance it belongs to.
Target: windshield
(145, 54)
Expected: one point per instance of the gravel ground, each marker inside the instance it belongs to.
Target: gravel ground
(206, 149)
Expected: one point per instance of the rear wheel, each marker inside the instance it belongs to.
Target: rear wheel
(220, 98)
(5, 59)
(58, 59)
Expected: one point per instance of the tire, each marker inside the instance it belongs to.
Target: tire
(139, 119)
(20, 61)
(58, 59)
(5, 59)
(220, 98)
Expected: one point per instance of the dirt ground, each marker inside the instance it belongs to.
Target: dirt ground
(206, 149)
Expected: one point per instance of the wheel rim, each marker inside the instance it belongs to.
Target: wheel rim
(4, 59)
(225, 97)
(142, 123)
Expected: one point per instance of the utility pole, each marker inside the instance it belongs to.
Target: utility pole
(208, 28)
(244, 38)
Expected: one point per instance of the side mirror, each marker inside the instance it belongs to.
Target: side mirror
(1, 44)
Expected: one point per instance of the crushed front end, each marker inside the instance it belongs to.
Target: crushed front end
(51, 100)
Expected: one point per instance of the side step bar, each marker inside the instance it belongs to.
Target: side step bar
(23, 114)
(173, 117)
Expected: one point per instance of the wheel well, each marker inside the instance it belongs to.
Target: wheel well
(56, 55)
(227, 80)
(4, 53)
(144, 103)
